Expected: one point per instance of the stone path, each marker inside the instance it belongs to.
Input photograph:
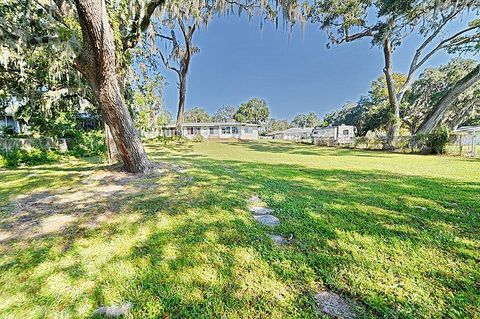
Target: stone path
(264, 215)
(330, 303)
(335, 305)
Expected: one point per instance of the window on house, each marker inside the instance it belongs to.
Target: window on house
(234, 130)
(213, 130)
(248, 130)
(193, 130)
(346, 132)
(225, 129)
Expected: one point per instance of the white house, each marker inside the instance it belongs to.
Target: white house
(343, 134)
(9, 120)
(244, 131)
(292, 134)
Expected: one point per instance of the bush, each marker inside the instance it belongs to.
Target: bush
(31, 157)
(3, 161)
(165, 140)
(435, 141)
(88, 144)
(198, 138)
(8, 131)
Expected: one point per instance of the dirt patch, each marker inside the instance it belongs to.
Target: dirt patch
(97, 196)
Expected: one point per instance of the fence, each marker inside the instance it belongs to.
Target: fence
(459, 144)
(464, 144)
(7, 144)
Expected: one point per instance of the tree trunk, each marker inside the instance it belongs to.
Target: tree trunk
(97, 63)
(181, 102)
(447, 100)
(113, 156)
(394, 126)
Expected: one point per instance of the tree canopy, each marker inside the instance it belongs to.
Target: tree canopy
(225, 113)
(197, 115)
(278, 125)
(254, 111)
(306, 120)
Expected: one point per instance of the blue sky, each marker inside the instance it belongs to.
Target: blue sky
(238, 61)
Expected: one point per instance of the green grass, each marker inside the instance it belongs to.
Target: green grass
(398, 233)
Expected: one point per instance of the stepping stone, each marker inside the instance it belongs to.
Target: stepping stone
(178, 169)
(259, 210)
(113, 311)
(420, 207)
(278, 240)
(450, 205)
(268, 220)
(334, 305)
(255, 200)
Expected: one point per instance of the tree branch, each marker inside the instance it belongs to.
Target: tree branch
(165, 37)
(368, 32)
(141, 24)
(443, 44)
(415, 64)
(167, 64)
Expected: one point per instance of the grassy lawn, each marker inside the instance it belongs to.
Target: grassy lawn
(397, 233)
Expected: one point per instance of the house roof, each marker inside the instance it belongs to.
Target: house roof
(468, 129)
(293, 130)
(207, 124)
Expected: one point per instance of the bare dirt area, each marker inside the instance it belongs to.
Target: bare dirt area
(98, 195)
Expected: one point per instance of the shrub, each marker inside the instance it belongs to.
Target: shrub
(165, 140)
(3, 161)
(17, 157)
(87, 144)
(437, 140)
(8, 131)
(198, 138)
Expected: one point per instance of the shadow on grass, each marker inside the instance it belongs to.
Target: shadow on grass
(188, 248)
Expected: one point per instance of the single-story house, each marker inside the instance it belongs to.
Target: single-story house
(292, 134)
(215, 130)
(342, 134)
(9, 120)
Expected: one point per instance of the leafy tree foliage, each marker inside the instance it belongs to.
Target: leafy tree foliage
(432, 86)
(48, 91)
(254, 111)
(225, 113)
(146, 104)
(197, 115)
(371, 112)
(277, 125)
(306, 120)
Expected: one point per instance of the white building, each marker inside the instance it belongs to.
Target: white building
(9, 120)
(343, 134)
(469, 136)
(292, 134)
(212, 130)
